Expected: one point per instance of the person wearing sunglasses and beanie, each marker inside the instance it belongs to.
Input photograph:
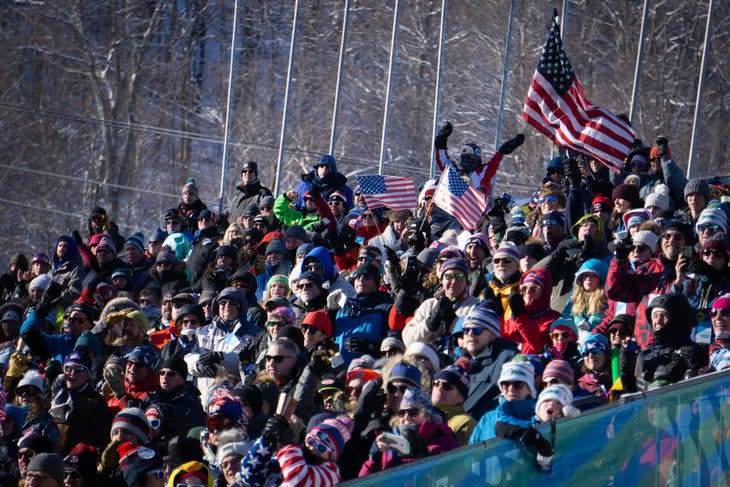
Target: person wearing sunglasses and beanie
(720, 347)
(141, 466)
(191, 473)
(450, 389)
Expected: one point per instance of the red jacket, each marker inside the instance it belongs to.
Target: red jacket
(532, 329)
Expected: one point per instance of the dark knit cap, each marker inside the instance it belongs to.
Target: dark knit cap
(457, 375)
(250, 396)
(697, 186)
(315, 278)
(227, 251)
(183, 449)
(534, 250)
(293, 333)
(48, 463)
(369, 269)
(192, 309)
(177, 364)
(135, 461)
(133, 421)
(296, 231)
(628, 192)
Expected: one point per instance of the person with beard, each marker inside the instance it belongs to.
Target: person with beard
(168, 273)
(105, 262)
(672, 356)
(720, 347)
(311, 296)
(191, 205)
(505, 276)
(67, 269)
(251, 189)
(274, 263)
(476, 252)
(138, 263)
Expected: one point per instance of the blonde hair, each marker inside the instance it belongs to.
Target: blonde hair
(587, 302)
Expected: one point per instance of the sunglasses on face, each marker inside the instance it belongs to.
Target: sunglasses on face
(392, 352)
(367, 216)
(365, 258)
(74, 475)
(546, 222)
(392, 389)
(443, 385)
(168, 373)
(592, 351)
(309, 329)
(552, 381)
(314, 267)
(76, 369)
(247, 171)
(455, 276)
(76, 320)
(640, 248)
(26, 392)
(548, 199)
(219, 424)
(476, 331)
(502, 261)
(713, 253)
(277, 359)
(305, 285)
(515, 384)
(673, 236)
(26, 454)
(617, 331)
(364, 276)
(316, 444)
(275, 324)
(560, 334)
(708, 227)
(103, 251)
(724, 312)
(226, 302)
(412, 412)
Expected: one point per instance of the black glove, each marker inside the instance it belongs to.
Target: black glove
(512, 144)
(319, 363)
(444, 313)
(372, 398)
(77, 237)
(418, 446)
(360, 345)
(49, 298)
(277, 431)
(572, 171)
(392, 257)
(314, 192)
(53, 370)
(207, 363)
(319, 227)
(562, 251)
(663, 145)
(508, 430)
(623, 249)
(405, 303)
(533, 439)
(517, 304)
(442, 136)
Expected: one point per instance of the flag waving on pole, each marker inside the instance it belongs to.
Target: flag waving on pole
(557, 106)
(457, 198)
(392, 192)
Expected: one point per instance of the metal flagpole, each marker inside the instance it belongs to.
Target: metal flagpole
(282, 137)
(700, 88)
(564, 23)
(229, 101)
(437, 94)
(505, 74)
(340, 62)
(639, 57)
(393, 40)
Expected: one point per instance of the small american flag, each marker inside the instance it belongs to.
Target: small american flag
(456, 197)
(557, 106)
(392, 192)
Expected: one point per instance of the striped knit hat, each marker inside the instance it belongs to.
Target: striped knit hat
(134, 421)
(330, 436)
(485, 318)
(519, 372)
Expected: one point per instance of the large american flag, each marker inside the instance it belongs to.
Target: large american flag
(457, 198)
(391, 192)
(557, 106)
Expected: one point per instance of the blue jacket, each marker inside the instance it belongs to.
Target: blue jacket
(519, 413)
(57, 345)
(363, 317)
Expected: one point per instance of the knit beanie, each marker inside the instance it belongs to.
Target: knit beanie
(406, 372)
(507, 250)
(191, 186)
(565, 324)
(457, 375)
(40, 282)
(107, 243)
(628, 192)
(135, 461)
(48, 463)
(191, 309)
(79, 357)
(231, 442)
(419, 349)
(369, 269)
(646, 237)
(659, 197)
(283, 313)
(319, 319)
(722, 302)
(136, 240)
(697, 186)
(304, 249)
(636, 216)
(480, 239)
(455, 264)
(414, 397)
(296, 231)
(177, 364)
(601, 203)
(250, 396)
(275, 246)
(332, 434)
(519, 372)
(137, 316)
(559, 369)
(563, 395)
(596, 340)
(712, 216)
(484, 318)
(134, 421)
(167, 256)
(277, 278)
(82, 460)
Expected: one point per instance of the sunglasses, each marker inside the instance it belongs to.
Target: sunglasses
(412, 412)
(168, 373)
(76, 369)
(161, 264)
(443, 385)
(305, 285)
(219, 424)
(552, 381)
(502, 261)
(476, 331)
(592, 351)
(103, 251)
(638, 164)
(724, 312)
(74, 475)
(334, 203)
(309, 329)
(277, 359)
(705, 227)
(364, 276)
(227, 302)
(455, 276)
(617, 331)
(550, 221)
(275, 324)
(672, 236)
(392, 389)
(514, 383)
(547, 199)
(561, 334)
(26, 454)
(245, 171)
(713, 252)
(26, 392)
(314, 266)
(640, 248)
(392, 352)
(77, 320)
(316, 443)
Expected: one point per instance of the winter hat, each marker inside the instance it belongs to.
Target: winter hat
(136, 240)
(158, 236)
(484, 318)
(331, 435)
(635, 217)
(138, 317)
(419, 349)
(177, 364)
(392, 342)
(717, 244)
(313, 277)
(596, 340)
(304, 249)
(565, 324)
(41, 257)
(223, 402)
(601, 203)
(456, 375)
(633, 180)
(507, 250)
(456, 264)
(134, 421)
(553, 218)
(82, 460)
(628, 192)
(369, 269)
(277, 278)
(659, 197)
(192, 309)
(79, 357)
(646, 237)
(697, 186)
(11, 315)
(480, 239)
(598, 267)
(406, 372)
(429, 188)
(250, 396)
(319, 319)
(40, 282)
(31, 378)
(124, 272)
(362, 368)
(296, 231)
(135, 461)
(338, 196)
(206, 214)
(167, 256)
(415, 398)
(534, 250)
(95, 239)
(362, 362)
(533, 277)
(49, 463)
(275, 246)
(722, 302)
(623, 322)
(712, 216)
(559, 369)
(521, 372)
(292, 333)
(190, 186)
(107, 244)
(563, 395)
(285, 314)
(231, 442)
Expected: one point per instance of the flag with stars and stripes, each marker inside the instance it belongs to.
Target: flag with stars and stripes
(557, 106)
(457, 198)
(391, 192)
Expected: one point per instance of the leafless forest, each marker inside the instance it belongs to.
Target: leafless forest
(117, 102)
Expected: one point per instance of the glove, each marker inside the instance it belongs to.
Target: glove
(533, 439)
(418, 446)
(392, 257)
(508, 430)
(110, 455)
(623, 248)
(314, 192)
(17, 365)
(405, 304)
(444, 314)
(442, 136)
(277, 431)
(53, 370)
(77, 237)
(115, 380)
(512, 144)
(372, 398)
(360, 345)
(207, 363)
(319, 227)
(572, 171)
(50, 296)
(319, 363)
(516, 304)
(563, 248)
(662, 145)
